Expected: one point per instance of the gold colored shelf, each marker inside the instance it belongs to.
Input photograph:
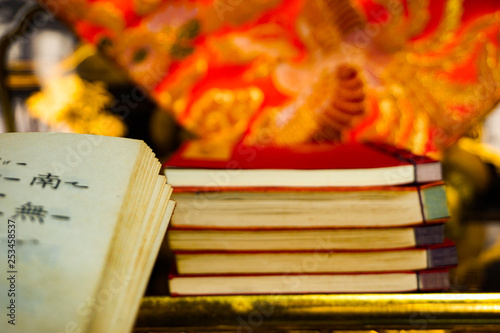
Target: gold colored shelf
(305, 312)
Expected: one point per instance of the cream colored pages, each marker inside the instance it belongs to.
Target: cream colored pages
(134, 240)
(60, 196)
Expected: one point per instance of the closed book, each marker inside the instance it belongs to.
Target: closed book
(431, 280)
(330, 207)
(319, 261)
(304, 239)
(307, 165)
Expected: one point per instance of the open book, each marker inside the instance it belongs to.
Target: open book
(82, 218)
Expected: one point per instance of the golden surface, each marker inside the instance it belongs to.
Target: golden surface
(362, 311)
(78, 105)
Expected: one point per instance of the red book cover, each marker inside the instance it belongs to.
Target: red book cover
(308, 165)
(433, 280)
(351, 155)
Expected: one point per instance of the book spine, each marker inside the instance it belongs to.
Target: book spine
(434, 204)
(425, 170)
(428, 235)
(442, 257)
(433, 280)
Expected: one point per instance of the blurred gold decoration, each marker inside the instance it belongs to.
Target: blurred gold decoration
(181, 90)
(348, 105)
(328, 22)
(70, 103)
(222, 115)
(262, 42)
(429, 70)
(315, 117)
(102, 13)
(249, 11)
(144, 55)
(76, 104)
(233, 108)
(143, 7)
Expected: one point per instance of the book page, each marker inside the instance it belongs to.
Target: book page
(60, 201)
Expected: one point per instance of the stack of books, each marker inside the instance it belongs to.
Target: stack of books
(349, 218)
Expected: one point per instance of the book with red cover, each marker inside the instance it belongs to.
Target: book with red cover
(424, 281)
(308, 165)
(317, 261)
(319, 207)
(273, 240)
